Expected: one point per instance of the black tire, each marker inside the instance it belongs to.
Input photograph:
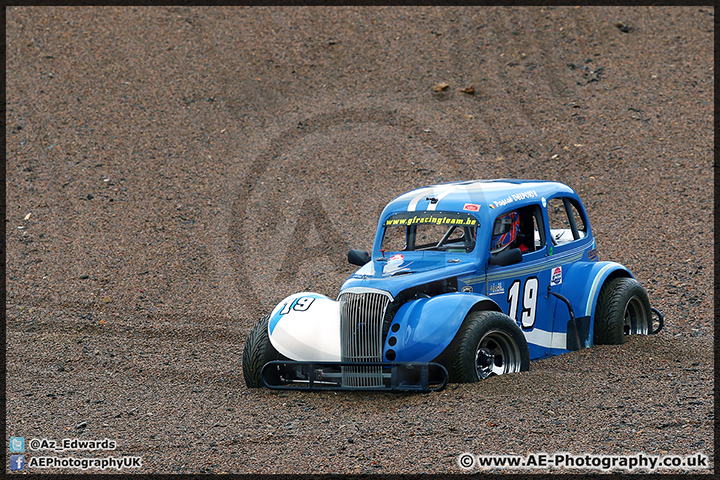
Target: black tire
(257, 352)
(623, 309)
(488, 343)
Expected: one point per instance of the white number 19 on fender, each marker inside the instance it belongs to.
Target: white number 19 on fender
(299, 305)
(529, 301)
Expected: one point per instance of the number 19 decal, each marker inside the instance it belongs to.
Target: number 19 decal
(299, 305)
(529, 301)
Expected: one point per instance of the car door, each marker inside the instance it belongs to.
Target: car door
(568, 240)
(521, 290)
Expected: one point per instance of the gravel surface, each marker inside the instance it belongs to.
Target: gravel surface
(174, 172)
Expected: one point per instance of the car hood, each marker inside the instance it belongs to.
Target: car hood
(401, 271)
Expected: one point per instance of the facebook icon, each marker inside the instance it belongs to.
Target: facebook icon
(17, 462)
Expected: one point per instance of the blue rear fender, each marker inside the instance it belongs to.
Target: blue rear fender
(581, 285)
(423, 328)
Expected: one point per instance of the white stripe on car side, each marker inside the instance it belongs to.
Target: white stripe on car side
(546, 339)
(555, 261)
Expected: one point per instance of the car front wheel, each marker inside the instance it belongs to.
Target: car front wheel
(487, 344)
(257, 352)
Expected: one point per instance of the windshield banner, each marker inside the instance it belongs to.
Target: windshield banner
(435, 218)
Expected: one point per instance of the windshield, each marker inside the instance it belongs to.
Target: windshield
(430, 231)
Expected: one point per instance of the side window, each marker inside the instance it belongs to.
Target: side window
(519, 229)
(531, 237)
(566, 223)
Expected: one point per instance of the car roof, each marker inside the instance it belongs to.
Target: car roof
(477, 196)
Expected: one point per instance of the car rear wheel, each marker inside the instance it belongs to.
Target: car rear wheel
(623, 309)
(257, 352)
(487, 344)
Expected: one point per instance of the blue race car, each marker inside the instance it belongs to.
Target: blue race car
(466, 280)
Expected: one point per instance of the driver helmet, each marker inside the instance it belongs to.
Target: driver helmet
(505, 231)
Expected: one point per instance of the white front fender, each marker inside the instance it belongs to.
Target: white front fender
(306, 327)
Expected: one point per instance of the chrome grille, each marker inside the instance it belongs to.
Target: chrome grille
(361, 320)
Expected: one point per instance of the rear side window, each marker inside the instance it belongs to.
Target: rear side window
(566, 222)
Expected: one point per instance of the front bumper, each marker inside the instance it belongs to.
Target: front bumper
(396, 376)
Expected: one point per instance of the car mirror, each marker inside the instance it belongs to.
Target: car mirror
(507, 257)
(358, 257)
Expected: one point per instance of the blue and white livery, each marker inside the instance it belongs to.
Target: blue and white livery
(435, 301)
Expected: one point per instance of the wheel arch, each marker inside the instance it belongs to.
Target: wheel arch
(422, 328)
(307, 332)
(582, 288)
(486, 304)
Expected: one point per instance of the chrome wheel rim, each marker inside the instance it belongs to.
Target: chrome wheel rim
(497, 353)
(635, 317)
